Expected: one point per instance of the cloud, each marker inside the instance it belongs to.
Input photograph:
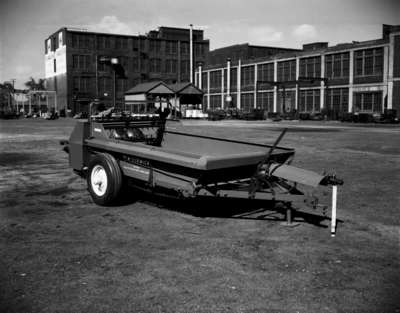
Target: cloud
(304, 31)
(264, 35)
(111, 24)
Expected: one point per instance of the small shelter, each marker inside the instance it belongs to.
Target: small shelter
(187, 99)
(149, 91)
(183, 97)
(143, 97)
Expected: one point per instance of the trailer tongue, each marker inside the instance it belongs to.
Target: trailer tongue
(111, 152)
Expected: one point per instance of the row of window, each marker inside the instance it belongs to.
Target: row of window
(336, 101)
(85, 62)
(367, 63)
(83, 84)
(81, 41)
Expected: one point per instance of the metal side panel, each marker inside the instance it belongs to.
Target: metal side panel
(295, 174)
(156, 177)
(77, 149)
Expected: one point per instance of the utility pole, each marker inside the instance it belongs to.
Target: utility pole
(191, 52)
(13, 80)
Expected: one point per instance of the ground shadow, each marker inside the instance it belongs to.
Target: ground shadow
(233, 208)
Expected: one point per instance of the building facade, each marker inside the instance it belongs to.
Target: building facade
(354, 77)
(73, 66)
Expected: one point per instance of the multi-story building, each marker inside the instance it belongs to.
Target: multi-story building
(73, 68)
(351, 77)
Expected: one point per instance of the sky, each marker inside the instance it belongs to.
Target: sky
(25, 24)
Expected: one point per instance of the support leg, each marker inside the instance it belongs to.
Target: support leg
(333, 216)
(289, 217)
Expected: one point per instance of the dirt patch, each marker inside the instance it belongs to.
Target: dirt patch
(306, 129)
(20, 158)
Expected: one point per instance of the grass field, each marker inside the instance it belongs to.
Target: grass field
(59, 252)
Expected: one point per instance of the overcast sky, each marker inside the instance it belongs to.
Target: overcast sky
(24, 25)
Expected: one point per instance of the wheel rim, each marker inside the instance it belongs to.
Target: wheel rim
(98, 180)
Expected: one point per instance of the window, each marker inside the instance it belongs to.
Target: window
(310, 67)
(337, 102)
(233, 79)
(215, 102)
(60, 39)
(102, 67)
(185, 66)
(81, 84)
(215, 80)
(265, 72)
(135, 64)
(309, 101)
(48, 45)
(171, 47)
(135, 44)
(55, 42)
(287, 70)
(205, 102)
(142, 44)
(247, 76)
(81, 62)
(105, 86)
(143, 65)
(121, 85)
(247, 102)
(155, 46)
(155, 65)
(199, 50)
(80, 41)
(337, 65)
(368, 102)
(124, 61)
(265, 101)
(103, 42)
(75, 41)
(369, 62)
(225, 79)
(204, 81)
(171, 66)
(121, 43)
(286, 101)
(184, 48)
(54, 65)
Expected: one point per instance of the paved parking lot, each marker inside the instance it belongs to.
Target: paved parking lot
(59, 252)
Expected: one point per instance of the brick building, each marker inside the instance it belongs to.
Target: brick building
(73, 69)
(351, 77)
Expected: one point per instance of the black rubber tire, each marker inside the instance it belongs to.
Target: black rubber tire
(114, 179)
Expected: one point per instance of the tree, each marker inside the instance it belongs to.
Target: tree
(32, 84)
(6, 89)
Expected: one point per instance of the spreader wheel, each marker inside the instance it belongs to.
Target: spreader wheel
(104, 179)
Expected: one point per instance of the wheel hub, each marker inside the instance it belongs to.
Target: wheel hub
(99, 180)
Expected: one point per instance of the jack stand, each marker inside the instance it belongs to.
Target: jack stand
(289, 220)
(333, 215)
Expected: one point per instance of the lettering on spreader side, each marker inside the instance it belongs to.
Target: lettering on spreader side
(133, 160)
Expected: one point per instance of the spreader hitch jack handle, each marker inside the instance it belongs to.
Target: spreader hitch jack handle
(331, 180)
